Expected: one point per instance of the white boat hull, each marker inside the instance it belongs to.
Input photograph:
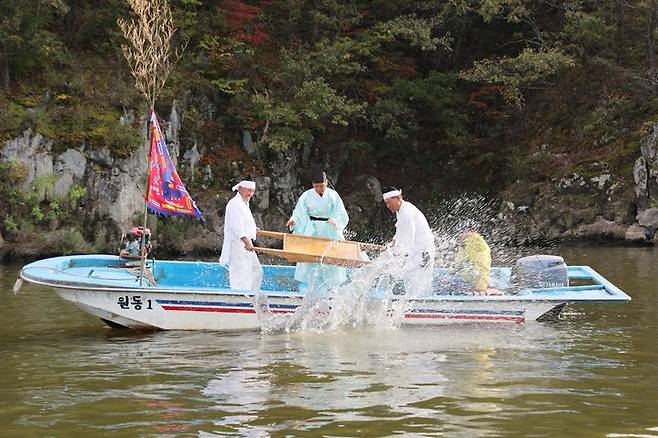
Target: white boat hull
(162, 311)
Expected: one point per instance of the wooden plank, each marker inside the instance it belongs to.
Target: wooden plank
(281, 236)
(270, 234)
(297, 248)
(324, 248)
(310, 258)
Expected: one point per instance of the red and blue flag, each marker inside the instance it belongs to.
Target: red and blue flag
(166, 194)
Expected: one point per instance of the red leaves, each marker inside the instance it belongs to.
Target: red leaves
(485, 100)
(242, 19)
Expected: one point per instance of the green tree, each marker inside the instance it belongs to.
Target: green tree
(317, 79)
(27, 42)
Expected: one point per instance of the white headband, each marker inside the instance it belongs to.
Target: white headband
(246, 184)
(391, 194)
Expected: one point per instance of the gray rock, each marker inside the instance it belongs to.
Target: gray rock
(261, 199)
(648, 218)
(645, 171)
(602, 181)
(375, 189)
(648, 144)
(285, 187)
(572, 184)
(553, 233)
(119, 194)
(248, 143)
(236, 171)
(62, 185)
(641, 177)
(192, 157)
(602, 228)
(636, 233)
(69, 168)
(102, 157)
(72, 161)
(33, 151)
(207, 176)
(171, 134)
(127, 118)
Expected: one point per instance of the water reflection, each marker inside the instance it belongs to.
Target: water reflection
(443, 377)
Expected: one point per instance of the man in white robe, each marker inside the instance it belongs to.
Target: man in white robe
(244, 269)
(320, 213)
(413, 242)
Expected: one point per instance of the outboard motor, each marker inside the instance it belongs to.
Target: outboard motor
(540, 271)
(131, 243)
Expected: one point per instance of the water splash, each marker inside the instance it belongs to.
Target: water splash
(364, 301)
(376, 295)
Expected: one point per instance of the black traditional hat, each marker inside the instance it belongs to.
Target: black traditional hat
(317, 174)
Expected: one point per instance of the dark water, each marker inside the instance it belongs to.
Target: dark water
(594, 373)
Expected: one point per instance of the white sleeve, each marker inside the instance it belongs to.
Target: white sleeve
(406, 233)
(235, 223)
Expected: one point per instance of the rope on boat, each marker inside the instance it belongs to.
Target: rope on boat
(137, 271)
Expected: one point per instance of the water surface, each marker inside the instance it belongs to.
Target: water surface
(593, 373)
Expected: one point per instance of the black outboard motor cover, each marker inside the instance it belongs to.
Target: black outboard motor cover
(540, 271)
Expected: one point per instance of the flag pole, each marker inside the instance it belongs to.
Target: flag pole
(142, 246)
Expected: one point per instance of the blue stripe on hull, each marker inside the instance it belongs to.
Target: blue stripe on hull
(220, 304)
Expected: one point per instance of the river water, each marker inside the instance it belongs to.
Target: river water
(593, 373)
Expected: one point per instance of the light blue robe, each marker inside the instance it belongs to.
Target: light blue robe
(329, 205)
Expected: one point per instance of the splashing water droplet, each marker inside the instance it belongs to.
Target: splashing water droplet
(378, 295)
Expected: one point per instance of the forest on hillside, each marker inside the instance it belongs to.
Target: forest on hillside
(445, 96)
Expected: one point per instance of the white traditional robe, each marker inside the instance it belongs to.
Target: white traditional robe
(330, 206)
(415, 242)
(244, 269)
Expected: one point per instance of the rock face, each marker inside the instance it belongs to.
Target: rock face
(31, 150)
(286, 186)
(597, 204)
(645, 172)
(118, 192)
(69, 168)
(601, 205)
(366, 208)
(115, 188)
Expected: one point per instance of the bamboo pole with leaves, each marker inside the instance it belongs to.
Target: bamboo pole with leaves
(151, 61)
(149, 54)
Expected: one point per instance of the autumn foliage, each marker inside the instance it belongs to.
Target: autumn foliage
(242, 20)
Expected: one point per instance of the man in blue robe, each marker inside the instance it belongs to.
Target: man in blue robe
(319, 213)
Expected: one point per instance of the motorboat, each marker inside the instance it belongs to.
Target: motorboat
(195, 295)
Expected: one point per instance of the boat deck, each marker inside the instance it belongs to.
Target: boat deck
(107, 272)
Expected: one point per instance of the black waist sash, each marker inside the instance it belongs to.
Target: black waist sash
(321, 219)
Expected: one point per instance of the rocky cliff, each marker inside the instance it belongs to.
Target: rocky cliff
(100, 195)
